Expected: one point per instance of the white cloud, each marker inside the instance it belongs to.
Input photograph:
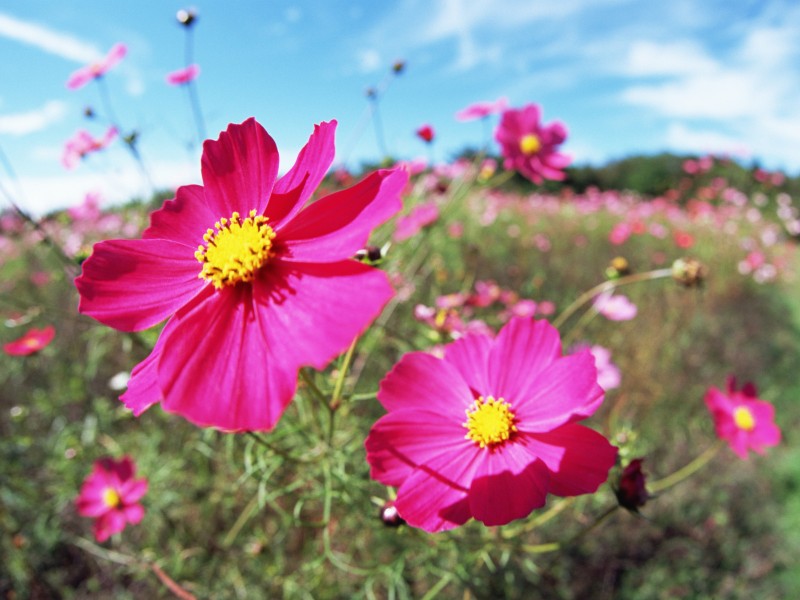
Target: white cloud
(33, 120)
(369, 60)
(54, 42)
(704, 141)
(675, 58)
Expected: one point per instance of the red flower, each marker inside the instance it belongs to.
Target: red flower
(33, 341)
(182, 76)
(520, 439)
(530, 147)
(254, 285)
(425, 133)
(741, 419)
(86, 74)
(111, 495)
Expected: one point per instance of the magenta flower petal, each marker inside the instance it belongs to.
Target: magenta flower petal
(309, 169)
(309, 332)
(133, 514)
(184, 220)
(469, 355)
(566, 392)
(143, 390)
(133, 284)
(405, 440)
(183, 76)
(219, 352)
(420, 381)
(498, 495)
(520, 353)
(579, 458)
(339, 225)
(239, 170)
(432, 498)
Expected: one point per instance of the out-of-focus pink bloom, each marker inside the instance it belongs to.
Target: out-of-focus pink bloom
(182, 76)
(86, 74)
(451, 300)
(414, 167)
(40, 278)
(523, 308)
(530, 147)
(89, 210)
(419, 217)
(620, 233)
(519, 442)
(488, 168)
(615, 308)
(455, 230)
(752, 261)
(546, 308)
(246, 272)
(608, 374)
(481, 110)
(486, 293)
(82, 143)
(33, 341)
(111, 495)
(425, 133)
(741, 419)
(683, 239)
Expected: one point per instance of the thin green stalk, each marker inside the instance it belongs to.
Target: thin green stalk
(687, 471)
(274, 449)
(336, 398)
(607, 286)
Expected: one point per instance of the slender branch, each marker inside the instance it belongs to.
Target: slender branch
(686, 471)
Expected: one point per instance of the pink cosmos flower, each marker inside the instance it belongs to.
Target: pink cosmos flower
(182, 76)
(741, 419)
(425, 133)
(84, 75)
(608, 374)
(82, 143)
(33, 341)
(254, 285)
(481, 110)
(615, 308)
(490, 429)
(530, 147)
(420, 216)
(111, 495)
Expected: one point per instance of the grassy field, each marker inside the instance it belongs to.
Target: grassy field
(294, 514)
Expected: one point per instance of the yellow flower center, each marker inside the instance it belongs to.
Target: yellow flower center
(489, 421)
(111, 498)
(529, 144)
(743, 418)
(235, 249)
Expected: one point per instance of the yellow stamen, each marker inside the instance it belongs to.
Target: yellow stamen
(236, 250)
(489, 421)
(111, 498)
(529, 144)
(743, 418)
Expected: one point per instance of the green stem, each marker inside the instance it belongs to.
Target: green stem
(279, 451)
(336, 399)
(309, 381)
(363, 396)
(687, 471)
(607, 286)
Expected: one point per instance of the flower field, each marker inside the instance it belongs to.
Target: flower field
(495, 376)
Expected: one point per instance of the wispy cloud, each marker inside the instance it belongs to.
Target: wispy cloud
(33, 120)
(55, 42)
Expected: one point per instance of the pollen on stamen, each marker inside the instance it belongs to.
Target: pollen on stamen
(235, 249)
(489, 422)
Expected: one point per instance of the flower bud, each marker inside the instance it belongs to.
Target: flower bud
(689, 272)
(618, 267)
(631, 491)
(390, 516)
(186, 17)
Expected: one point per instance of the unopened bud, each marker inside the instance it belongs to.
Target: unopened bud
(689, 272)
(618, 267)
(631, 491)
(390, 516)
(186, 17)
(399, 66)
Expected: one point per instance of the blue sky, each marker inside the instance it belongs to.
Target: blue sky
(626, 76)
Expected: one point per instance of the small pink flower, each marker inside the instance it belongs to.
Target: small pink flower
(615, 308)
(420, 216)
(608, 374)
(683, 239)
(182, 76)
(425, 133)
(86, 74)
(741, 419)
(33, 341)
(40, 278)
(254, 282)
(481, 110)
(530, 147)
(111, 495)
(620, 233)
(82, 144)
(489, 430)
